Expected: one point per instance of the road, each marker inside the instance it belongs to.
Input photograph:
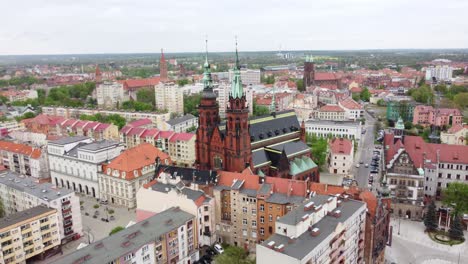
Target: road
(364, 153)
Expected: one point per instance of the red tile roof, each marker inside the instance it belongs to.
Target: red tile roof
(325, 76)
(341, 146)
(227, 178)
(20, 149)
(288, 186)
(139, 83)
(331, 108)
(166, 134)
(457, 128)
(150, 132)
(182, 137)
(140, 122)
(349, 103)
(43, 119)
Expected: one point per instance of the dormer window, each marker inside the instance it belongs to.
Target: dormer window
(109, 171)
(135, 173)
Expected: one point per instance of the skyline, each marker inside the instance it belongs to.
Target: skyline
(120, 27)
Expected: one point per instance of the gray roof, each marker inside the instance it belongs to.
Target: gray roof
(165, 188)
(260, 157)
(295, 216)
(45, 191)
(305, 243)
(24, 215)
(178, 120)
(98, 145)
(290, 147)
(130, 239)
(265, 189)
(249, 192)
(333, 123)
(237, 184)
(279, 198)
(68, 140)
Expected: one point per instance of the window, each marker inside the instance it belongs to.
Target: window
(146, 258)
(254, 223)
(449, 176)
(262, 231)
(244, 221)
(262, 208)
(244, 209)
(270, 218)
(254, 211)
(262, 219)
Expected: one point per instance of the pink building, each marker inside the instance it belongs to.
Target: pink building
(426, 115)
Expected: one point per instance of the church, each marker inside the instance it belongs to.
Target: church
(271, 145)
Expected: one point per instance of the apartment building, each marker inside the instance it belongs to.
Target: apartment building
(29, 235)
(94, 130)
(456, 135)
(341, 156)
(248, 76)
(69, 112)
(121, 178)
(170, 97)
(181, 124)
(324, 229)
(19, 193)
(195, 202)
(342, 129)
(167, 237)
(353, 110)
(331, 112)
(439, 72)
(427, 116)
(11, 125)
(110, 94)
(19, 95)
(24, 159)
(76, 161)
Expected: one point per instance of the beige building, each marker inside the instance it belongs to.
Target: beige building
(95, 130)
(110, 94)
(456, 135)
(170, 97)
(120, 179)
(24, 159)
(29, 235)
(340, 159)
(331, 112)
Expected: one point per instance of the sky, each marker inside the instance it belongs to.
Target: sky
(146, 26)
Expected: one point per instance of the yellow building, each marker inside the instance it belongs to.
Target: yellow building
(29, 234)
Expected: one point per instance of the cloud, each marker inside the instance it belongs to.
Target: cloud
(105, 26)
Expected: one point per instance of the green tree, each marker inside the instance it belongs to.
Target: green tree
(3, 99)
(300, 85)
(233, 255)
(456, 229)
(381, 102)
(318, 147)
(25, 116)
(365, 95)
(408, 125)
(146, 96)
(430, 218)
(356, 97)
(182, 82)
(2, 209)
(442, 88)
(423, 94)
(191, 129)
(456, 196)
(116, 229)
(270, 79)
(259, 110)
(461, 100)
(191, 103)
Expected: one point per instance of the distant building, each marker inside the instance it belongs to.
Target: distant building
(341, 157)
(95, 130)
(170, 97)
(456, 135)
(163, 67)
(19, 229)
(24, 159)
(323, 229)
(222, 98)
(76, 161)
(439, 72)
(353, 110)
(181, 124)
(322, 79)
(428, 116)
(341, 129)
(331, 112)
(19, 193)
(132, 86)
(403, 109)
(168, 237)
(248, 76)
(43, 123)
(110, 95)
(19, 95)
(121, 178)
(11, 126)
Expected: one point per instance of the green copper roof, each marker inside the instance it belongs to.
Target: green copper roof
(260, 173)
(237, 90)
(300, 165)
(400, 125)
(309, 58)
(273, 103)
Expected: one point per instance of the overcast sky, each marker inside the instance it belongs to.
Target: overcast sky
(124, 26)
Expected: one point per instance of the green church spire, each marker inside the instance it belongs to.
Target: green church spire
(207, 80)
(273, 103)
(236, 85)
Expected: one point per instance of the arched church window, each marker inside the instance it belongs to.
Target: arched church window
(218, 162)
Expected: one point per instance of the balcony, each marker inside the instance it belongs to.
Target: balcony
(65, 203)
(67, 224)
(207, 233)
(69, 232)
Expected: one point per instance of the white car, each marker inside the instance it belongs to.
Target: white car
(357, 165)
(218, 248)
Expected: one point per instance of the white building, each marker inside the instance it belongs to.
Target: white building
(353, 110)
(248, 77)
(456, 135)
(325, 229)
(192, 201)
(331, 112)
(35, 139)
(19, 193)
(342, 129)
(75, 162)
(341, 158)
(181, 124)
(170, 97)
(24, 159)
(223, 91)
(110, 94)
(440, 72)
(11, 125)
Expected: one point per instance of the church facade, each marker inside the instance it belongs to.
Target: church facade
(272, 145)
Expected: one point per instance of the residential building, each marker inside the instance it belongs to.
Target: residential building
(322, 79)
(456, 135)
(169, 97)
(110, 95)
(43, 123)
(195, 202)
(248, 76)
(181, 124)
(70, 112)
(132, 86)
(341, 129)
(24, 159)
(429, 116)
(323, 229)
(403, 109)
(19, 95)
(167, 237)
(439, 72)
(11, 125)
(341, 156)
(19, 193)
(120, 178)
(29, 234)
(94, 130)
(331, 112)
(76, 161)
(26, 137)
(353, 110)
(223, 90)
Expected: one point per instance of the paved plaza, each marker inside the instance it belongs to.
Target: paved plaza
(413, 246)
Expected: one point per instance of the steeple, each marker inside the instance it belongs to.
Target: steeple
(273, 103)
(207, 80)
(236, 85)
(162, 67)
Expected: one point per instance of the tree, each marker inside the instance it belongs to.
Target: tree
(259, 110)
(430, 219)
(146, 96)
(423, 94)
(456, 229)
(365, 95)
(2, 209)
(116, 229)
(381, 102)
(25, 116)
(270, 79)
(318, 148)
(456, 196)
(3, 99)
(191, 103)
(461, 100)
(191, 129)
(408, 125)
(233, 255)
(300, 85)
(182, 82)
(356, 97)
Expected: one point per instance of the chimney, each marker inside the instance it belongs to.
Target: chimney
(271, 244)
(308, 206)
(315, 232)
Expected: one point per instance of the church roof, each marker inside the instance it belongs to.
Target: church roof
(270, 126)
(300, 165)
(290, 148)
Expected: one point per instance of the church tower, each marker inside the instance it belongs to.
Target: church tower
(162, 67)
(98, 75)
(309, 72)
(208, 121)
(237, 139)
(399, 129)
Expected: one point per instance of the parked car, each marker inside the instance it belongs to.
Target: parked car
(218, 248)
(374, 171)
(357, 165)
(367, 165)
(361, 162)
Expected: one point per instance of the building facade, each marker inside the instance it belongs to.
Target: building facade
(24, 159)
(456, 135)
(94, 130)
(110, 95)
(341, 157)
(76, 161)
(441, 117)
(29, 234)
(181, 124)
(248, 76)
(170, 97)
(341, 129)
(439, 72)
(353, 110)
(19, 193)
(403, 109)
(331, 112)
